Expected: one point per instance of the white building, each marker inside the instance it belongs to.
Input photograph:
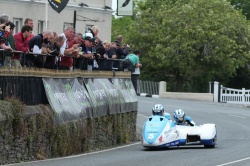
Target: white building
(89, 13)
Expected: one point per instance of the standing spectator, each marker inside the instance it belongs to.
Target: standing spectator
(94, 30)
(66, 63)
(47, 48)
(29, 22)
(4, 31)
(102, 51)
(52, 61)
(79, 40)
(120, 52)
(86, 55)
(132, 61)
(11, 43)
(96, 56)
(21, 44)
(120, 38)
(135, 75)
(89, 51)
(112, 53)
(98, 42)
(4, 18)
(35, 46)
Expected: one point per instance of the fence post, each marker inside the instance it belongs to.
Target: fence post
(211, 87)
(216, 91)
(243, 95)
(162, 87)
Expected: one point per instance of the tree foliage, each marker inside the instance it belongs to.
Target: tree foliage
(186, 39)
(120, 26)
(243, 5)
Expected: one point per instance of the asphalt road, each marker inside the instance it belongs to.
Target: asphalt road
(233, 147)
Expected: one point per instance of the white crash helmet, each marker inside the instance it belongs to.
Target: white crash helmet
(179, 116)
(158, 109)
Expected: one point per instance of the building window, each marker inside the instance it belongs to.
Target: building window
(66, 25)
(18, 24)
(40, 27)
(87, 27)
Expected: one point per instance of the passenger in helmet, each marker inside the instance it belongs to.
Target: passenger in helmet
(158, 109)
(181, 119)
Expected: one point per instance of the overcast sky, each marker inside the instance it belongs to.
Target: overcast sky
(114, 4)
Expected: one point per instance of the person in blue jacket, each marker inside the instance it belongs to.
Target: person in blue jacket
(181, 119)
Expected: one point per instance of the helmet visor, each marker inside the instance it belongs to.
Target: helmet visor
(180, 119)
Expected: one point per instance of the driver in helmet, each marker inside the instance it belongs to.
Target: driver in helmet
(181, 119)
(158, 109)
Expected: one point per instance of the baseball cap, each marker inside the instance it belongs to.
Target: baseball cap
(88, 34)
(89, 39)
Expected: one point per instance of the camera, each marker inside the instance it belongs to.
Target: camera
(3, 28)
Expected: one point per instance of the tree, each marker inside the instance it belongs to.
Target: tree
(120, 26)
(243, 5)
(184, 39)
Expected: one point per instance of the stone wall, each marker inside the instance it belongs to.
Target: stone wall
(30, 133)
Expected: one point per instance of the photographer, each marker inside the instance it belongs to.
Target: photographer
(87, 54)
(102, 52)
(4, 32)
(10, 42)
(52, 60)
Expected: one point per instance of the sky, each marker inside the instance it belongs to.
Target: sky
(114, 4)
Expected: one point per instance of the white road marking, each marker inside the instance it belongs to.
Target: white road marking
(236, 161)
(243, 117)
(80, 155)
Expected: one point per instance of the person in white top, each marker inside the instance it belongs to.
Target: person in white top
(66, 62)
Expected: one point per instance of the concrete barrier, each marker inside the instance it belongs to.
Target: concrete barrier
(184, 96)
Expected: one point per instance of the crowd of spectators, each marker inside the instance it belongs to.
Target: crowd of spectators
(66, 51)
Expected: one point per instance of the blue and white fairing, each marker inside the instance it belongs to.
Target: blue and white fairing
(160, 131)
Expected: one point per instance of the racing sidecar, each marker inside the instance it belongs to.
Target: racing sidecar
(159, 132)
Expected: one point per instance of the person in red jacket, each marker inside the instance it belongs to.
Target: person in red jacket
(30, 22)
(21, 44)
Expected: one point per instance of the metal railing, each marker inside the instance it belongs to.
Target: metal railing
(103, 64)
(148, 87)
